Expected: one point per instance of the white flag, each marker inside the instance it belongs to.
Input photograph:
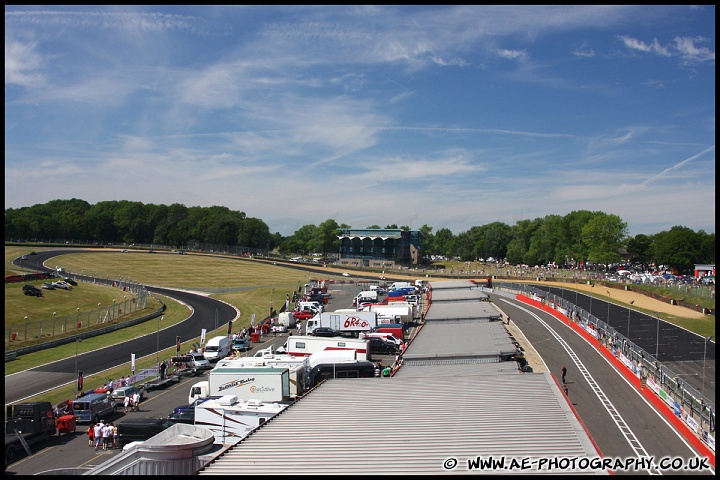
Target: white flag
(202, 337)
(132, 362)
(252, 320)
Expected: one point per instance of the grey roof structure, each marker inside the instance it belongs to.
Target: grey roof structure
(463, 295)
(453, 400)
(462, 310)
(452, 285)
(414, 425)
(479, 340)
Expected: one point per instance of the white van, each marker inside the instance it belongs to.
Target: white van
(217, 348)
(314, 306)
(286, 319)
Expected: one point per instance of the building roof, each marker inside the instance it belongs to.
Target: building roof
(412, 425)
(458, 294)
(443, 340)
(460, 310)
(452, 285)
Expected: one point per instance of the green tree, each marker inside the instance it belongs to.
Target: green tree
(324, 240)
(679, 249)
(639, 249)
(604, 235)
(444, 242)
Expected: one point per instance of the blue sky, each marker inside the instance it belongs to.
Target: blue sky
(446, 116)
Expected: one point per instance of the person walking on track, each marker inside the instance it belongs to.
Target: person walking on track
(564, 372)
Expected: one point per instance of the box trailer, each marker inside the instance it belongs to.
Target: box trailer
(345, 322)
(267, 384)
(298, 367)
(231, 419)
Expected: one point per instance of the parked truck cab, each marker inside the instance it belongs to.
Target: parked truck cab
(34, 420)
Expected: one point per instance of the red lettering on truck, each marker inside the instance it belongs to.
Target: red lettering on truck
(356, 322)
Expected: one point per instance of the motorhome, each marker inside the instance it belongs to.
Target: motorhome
(231, 419)
(303, 346)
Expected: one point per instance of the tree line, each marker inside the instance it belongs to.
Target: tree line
(580, 236)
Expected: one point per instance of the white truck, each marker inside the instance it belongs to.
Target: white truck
(267, 384)
(345, 322)
(298, 366)
(305, 346)
(231, 419)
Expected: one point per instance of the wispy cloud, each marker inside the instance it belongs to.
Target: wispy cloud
(684, 47)
(667, 171)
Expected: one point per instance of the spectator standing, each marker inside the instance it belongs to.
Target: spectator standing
(163, 368)
(136, 402)
(91, 435)
(98, 434)
(106, 432)
(114, 435)
(126, 402)
(564, 372)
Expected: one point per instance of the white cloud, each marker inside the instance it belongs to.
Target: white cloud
(22, 63)
(520, 55)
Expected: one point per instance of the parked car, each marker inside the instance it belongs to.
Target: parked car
(141, 429)
(63, 285)
(119, 394)
(382, 347)
(185, 416)
(241, 344)
(326, 332)
(190, 407)
(303, 315)
(279, 329)
(48, 286)
(32, 291)
(71, 282)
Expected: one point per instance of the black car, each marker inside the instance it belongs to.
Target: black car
(326, 332)
(32, 291)
(141, 429)
(71, 282)
(382, 347)
(183, 416)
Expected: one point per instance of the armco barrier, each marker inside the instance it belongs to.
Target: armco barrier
(635, 381)
(93, 333)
